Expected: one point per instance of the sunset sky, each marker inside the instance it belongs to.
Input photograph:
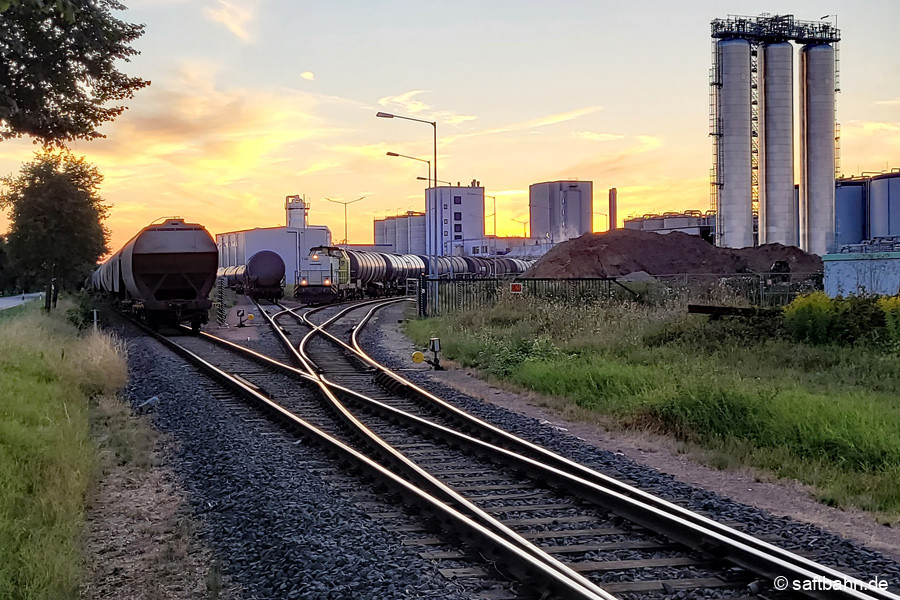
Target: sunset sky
(253, 100)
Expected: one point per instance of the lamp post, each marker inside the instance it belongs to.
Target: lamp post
(434, 254)
(345, 203)
(494, 198)
(418, 159)
(436, 181)
(524, 227)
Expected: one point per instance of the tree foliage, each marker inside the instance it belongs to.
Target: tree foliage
(57, 67)
(56, 218)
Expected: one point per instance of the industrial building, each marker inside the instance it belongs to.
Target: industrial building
(405, 233)
(691, 222)
(454, 220)
(561, 210)
(291, 243)
(870, 267)
(752, 128)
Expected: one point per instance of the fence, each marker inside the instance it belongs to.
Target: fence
(438, 297)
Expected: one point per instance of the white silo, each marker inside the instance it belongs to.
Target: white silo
(777, 213)
(735, 217)
(817, 148)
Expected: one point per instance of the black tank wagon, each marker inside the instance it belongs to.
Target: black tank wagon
(163, 274)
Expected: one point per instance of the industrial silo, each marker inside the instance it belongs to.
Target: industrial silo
(884, 205)
(402, 233)
(777, 213)
(817, 148)
(735, 220)
(417, 233)
(390, 232)
(850, 211)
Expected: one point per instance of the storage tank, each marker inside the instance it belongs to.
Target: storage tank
(390, 232)
(817, 148)
(777, 214)
(265, 269)
(402, 228)
(849, 211)
(735, 221)
(417, 234)
(884, 205)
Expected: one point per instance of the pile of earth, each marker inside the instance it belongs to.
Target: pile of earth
(624, 251)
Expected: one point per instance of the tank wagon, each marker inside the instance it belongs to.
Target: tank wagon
(261, 278)
(163, 274)
(337, 274)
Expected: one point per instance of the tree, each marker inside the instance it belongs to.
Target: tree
(56, 219)
(57, 67)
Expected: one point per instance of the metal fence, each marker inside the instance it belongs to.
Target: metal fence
(440, 297)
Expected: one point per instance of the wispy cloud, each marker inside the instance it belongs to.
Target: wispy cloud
(308, 75)
(408, 103)
(599, 137)
(894, 102)
(530, 124)
(238, 16)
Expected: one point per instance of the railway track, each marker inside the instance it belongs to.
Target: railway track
(555, 524)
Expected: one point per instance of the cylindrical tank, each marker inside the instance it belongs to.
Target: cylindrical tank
(777, 215)
(390, 232)
(884, 205)
(402, 245)
(817, 148)
(735, 220)
(265, 269)
(849, 211)
(417, 234)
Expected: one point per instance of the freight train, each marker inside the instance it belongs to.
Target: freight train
(262, 278)
(336, 274)
(163, 275)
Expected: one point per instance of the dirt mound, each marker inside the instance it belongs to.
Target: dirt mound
(623, 251)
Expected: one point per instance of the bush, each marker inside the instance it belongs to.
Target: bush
(891, 308)
(818, 319)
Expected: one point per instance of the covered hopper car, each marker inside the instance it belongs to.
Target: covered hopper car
(163, 275)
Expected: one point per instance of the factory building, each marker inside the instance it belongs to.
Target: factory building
(871, 267)
(454, 219)
(691, 222)
(405, 233)
(752, 128)
(291, 243)
(561, 210)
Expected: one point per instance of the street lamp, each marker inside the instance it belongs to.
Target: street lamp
(436, 223)
(418, 159)
(495, 213)
(524, 227)
(345, 203)
(435, 180)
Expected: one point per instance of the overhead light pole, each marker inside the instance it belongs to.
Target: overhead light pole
(345, 203)
(418, 159)
(494, 198)
(435, 180)
(524, 227)
(435, 200)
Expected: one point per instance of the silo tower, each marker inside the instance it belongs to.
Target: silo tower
(752, 127)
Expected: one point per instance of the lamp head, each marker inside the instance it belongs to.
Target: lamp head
(385, 115)
(392, 154)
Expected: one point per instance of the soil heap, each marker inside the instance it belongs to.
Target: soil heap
(623, 251)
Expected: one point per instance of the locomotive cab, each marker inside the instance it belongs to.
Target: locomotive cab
(325, 275)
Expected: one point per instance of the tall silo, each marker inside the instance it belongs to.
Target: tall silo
(817, 148)
(735, 217)
(777, 213)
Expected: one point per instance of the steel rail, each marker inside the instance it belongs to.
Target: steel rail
(579, 585)
(506, 555)
(692, 529)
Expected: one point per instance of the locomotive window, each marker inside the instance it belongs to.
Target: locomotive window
(457, 228)
(474, 249)
(457, 199)
(484, 249)
(457, 216)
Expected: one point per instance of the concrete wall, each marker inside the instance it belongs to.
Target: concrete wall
(853, 274)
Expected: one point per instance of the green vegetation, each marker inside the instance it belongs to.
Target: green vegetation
(741, 392)
(49, 377)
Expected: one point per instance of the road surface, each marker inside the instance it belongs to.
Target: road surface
(10, 301)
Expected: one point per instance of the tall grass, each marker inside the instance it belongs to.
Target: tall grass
(48, 374)
(824, 414)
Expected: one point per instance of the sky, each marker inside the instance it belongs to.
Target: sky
(255, 100)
